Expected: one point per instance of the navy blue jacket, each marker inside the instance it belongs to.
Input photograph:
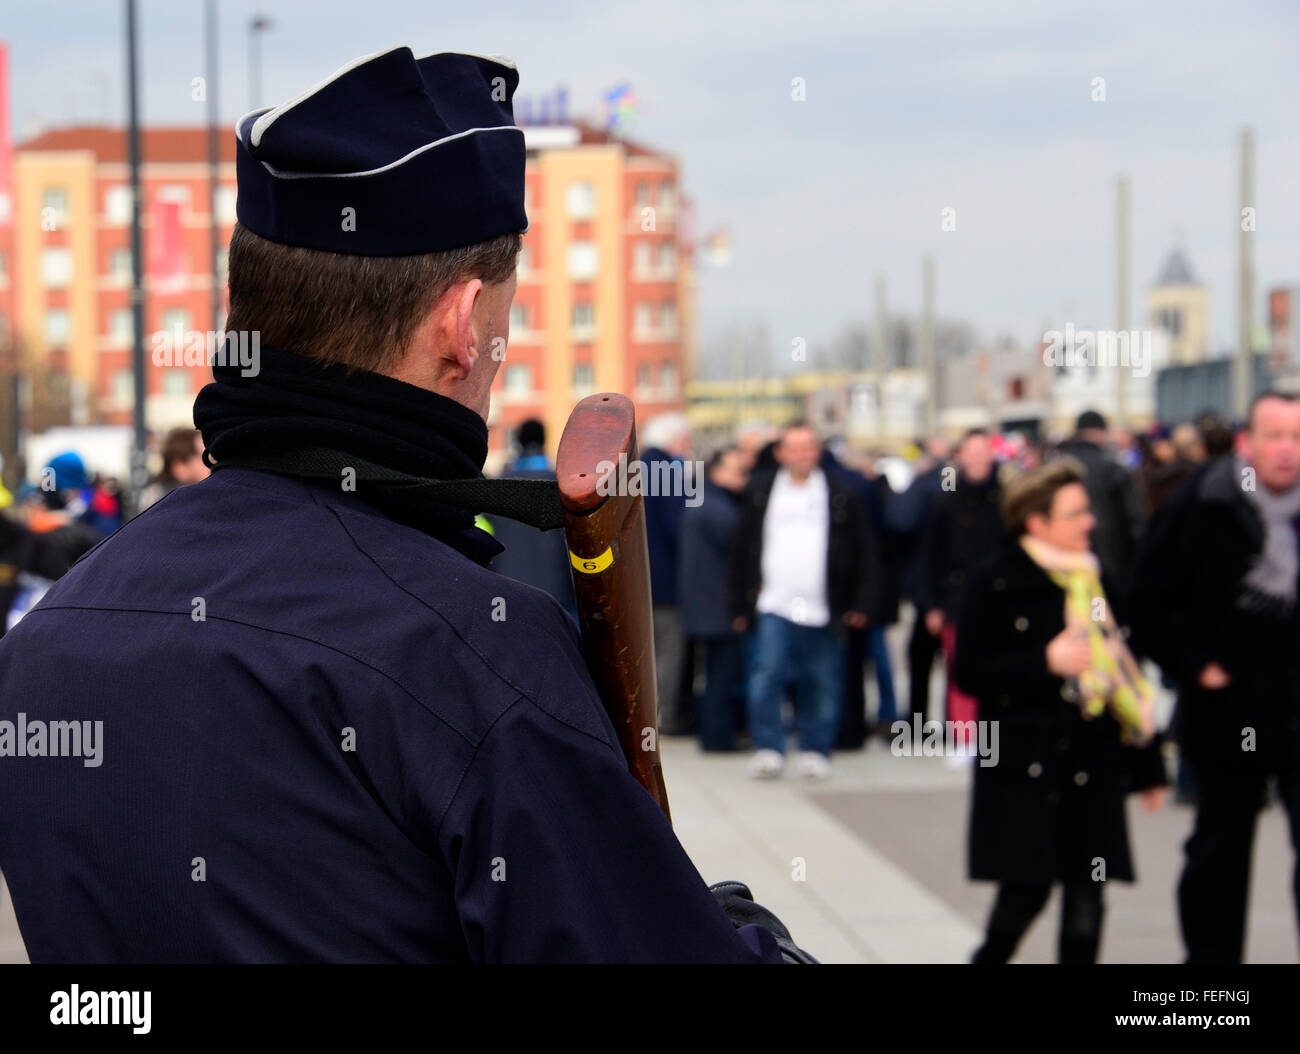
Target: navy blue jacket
(663, 530)
(708, 531)
(368, 748)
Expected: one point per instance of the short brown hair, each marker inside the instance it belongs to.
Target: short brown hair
(361, 311)
(1033, 491)
(1268, 393)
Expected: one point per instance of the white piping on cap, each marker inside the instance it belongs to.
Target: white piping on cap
(269, 117)
(500, 60)
(280, 174)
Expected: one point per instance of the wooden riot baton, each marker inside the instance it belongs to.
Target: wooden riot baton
(604, 527)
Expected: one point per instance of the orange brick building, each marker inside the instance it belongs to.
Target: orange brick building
(605, 281)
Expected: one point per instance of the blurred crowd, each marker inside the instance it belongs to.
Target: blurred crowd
(1054, 584)
(46, 527)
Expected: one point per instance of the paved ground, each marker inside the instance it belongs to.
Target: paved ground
(885, 876)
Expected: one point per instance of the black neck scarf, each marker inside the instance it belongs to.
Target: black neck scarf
(295, 402)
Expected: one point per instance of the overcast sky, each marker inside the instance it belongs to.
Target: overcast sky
(979, 105)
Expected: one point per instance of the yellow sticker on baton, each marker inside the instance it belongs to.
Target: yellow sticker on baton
(593, 566)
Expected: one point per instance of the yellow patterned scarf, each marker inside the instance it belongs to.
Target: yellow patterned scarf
(1113, 682)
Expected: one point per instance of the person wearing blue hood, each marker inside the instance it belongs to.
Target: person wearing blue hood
(331, 732)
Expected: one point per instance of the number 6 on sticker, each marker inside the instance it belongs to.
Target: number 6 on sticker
(592, 565)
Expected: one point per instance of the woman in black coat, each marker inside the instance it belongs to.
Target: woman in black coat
(1039, 648)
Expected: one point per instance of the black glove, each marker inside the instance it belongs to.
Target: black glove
(738, 902)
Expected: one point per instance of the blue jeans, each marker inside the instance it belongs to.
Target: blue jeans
(810, 657)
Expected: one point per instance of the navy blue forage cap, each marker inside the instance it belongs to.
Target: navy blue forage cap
(390, 156)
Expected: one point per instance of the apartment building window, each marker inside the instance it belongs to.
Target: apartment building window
(57, 328)
(123, 386)
(519, 317)
(584, 319)
(643, 376)
(668, 376)
(117, 205)
(519, 379)
(667, 259)
(56, 268)
(666, 199)
(176, 383)
(668, 317)
(223, 264)
(642, 193)
(54, 207)
(584, 260)
(584, 376)
(177, 321)
(641, 258)
(120, 264)
(525, 259)
(121, 328)
(226, 204)
(580, 201)
(641, 322)
(177, 192)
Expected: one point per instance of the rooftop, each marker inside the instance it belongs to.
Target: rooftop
(157, 145)
(1177, 270)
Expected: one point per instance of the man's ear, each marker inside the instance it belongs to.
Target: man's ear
(466, 351)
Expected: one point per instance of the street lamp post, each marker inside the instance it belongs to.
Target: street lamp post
(257, 25)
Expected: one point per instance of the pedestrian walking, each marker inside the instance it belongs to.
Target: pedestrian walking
(1043, 652)
(804, 570)
(1215, 605)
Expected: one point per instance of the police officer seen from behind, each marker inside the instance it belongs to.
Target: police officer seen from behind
(319, 744)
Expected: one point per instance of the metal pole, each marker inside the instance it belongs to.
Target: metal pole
(882, 357)
(139, 438)
(927, 346)
(1121, 293)
(1244, 388)
(214, 161)
(256, 25)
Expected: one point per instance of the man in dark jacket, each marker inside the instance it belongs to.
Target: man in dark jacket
(539, 558)
(906, 518)
(1113, 495)
(1215, 606)
(964, 531)
(708, 532)
(666, 440)
(804, 568)
(322, 729)
(868, 645)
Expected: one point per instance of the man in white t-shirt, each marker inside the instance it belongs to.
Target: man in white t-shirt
(804, 569)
